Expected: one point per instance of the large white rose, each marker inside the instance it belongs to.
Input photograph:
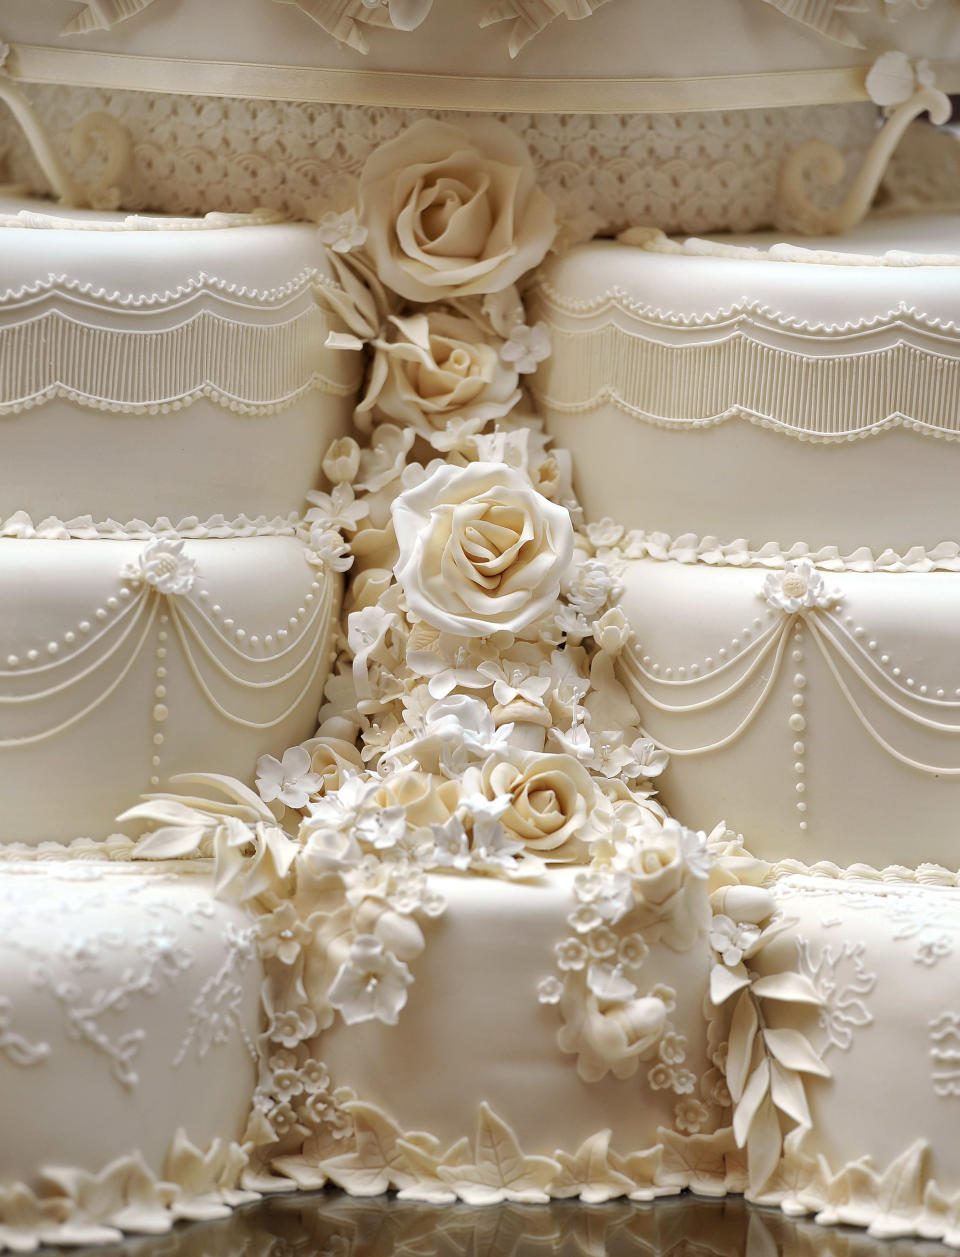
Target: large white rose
(480, 549)
(551, 800)
(442, 376)
(452, 210)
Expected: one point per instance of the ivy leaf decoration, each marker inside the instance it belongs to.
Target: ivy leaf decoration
(500, 1170)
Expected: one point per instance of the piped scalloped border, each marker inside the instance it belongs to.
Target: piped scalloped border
(690, 548)
(20, 526)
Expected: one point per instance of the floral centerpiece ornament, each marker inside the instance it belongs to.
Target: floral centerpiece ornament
(473, 723)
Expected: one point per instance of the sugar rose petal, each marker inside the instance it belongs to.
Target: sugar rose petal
(480, 550)
(452, 210)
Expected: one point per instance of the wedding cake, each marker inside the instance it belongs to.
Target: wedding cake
(604, 849)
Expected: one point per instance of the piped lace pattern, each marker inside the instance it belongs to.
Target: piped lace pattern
(689, 172)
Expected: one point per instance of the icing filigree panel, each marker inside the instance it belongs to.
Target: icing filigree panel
(686, 172)
(136, 982)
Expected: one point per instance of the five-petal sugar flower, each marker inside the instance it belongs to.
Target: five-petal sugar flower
(798, 587)
(452, 210)
(480, 549)
(370, 984)
(289, 780)
(526, 347)
(163, 564)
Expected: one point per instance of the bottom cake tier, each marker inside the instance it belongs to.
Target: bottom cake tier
(693, 1019)
(129, 1014)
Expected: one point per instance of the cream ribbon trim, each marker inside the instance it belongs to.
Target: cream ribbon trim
(251, 81)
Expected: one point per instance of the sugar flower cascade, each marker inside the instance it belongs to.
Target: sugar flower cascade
(474, 724)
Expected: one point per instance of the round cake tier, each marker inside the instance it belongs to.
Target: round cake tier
(123, 663)
(494, 1045)
(752, 389)
(129, 1009)
(164, 368)
(816, 711)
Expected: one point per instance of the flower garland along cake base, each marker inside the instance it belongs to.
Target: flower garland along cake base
(490, 967)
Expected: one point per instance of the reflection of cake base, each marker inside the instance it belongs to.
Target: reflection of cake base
(129, 1005)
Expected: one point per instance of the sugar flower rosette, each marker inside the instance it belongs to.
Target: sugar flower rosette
(442, 375)
(453, 210)
(480, 550)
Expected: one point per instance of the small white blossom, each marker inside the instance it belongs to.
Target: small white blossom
(290, 779)
(341, 232)
(452, 846)
(526, 347)
(798, 587)
(327, 548)
(383, 827)
(337, 509)
(162, 564)
(549, 990)
(371, 984)
(731, 939)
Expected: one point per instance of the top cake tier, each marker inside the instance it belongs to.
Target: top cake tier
(659, 55)
(689, 116)
(164, 368)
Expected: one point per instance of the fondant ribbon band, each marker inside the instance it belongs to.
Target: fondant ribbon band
(114, 71)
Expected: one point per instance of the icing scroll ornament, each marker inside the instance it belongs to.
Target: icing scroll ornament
(905, 91)
(345, 21)
(101, 193)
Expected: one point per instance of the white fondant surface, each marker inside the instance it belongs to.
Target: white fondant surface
(762, 399)
(474, 1031)
(850, 712)
(109, 687)
(130, 1003)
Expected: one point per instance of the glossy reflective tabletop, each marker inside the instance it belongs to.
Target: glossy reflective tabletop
(329, 1224)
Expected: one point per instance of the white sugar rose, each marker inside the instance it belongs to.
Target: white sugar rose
(551, 800)
(441, 375)
(480, 550)
(452, 210)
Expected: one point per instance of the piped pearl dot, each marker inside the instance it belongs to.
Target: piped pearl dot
(216, 609)
(646, 661)
(161, 652)
(682, 671)
(301, 612)
(160, 673)
(909, 682)
(33, 655)
(721, 653)
(884, 659)
(803, 826)
(308, 599)
(800, 680)
(799, 748)
(241, 635)
(100, 613)
(254, 640)
(154, 781)
(53, 648)
(84, 626)
(160, 713)
(158, 739)
(13, 661)
(70, 637)
(292, 621)
(801, 806)
(871, 644)
(228, 624)
(923, 690)
(160, 691)
(858, 631)
(694, 670)
(797, 700)
(799, 767)
(268, 640)
(758, 623)
(708, 662)
(800, 787)
(797, 723)
(797, 656)
(162, 635)
(848, 620)
(282, 634)
(655, 669)
(735, 643)
(896, 672)
(941, 694)
(203, 595)
(112, 603)
(668, 672)
(125, 592)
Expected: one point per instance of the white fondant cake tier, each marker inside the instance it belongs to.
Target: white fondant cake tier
(761, 391)
(123, 663)
(494, 1044)
(663, 55)
(129, 1011)
(881, 1150)
(816, 711)
(154, 367)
